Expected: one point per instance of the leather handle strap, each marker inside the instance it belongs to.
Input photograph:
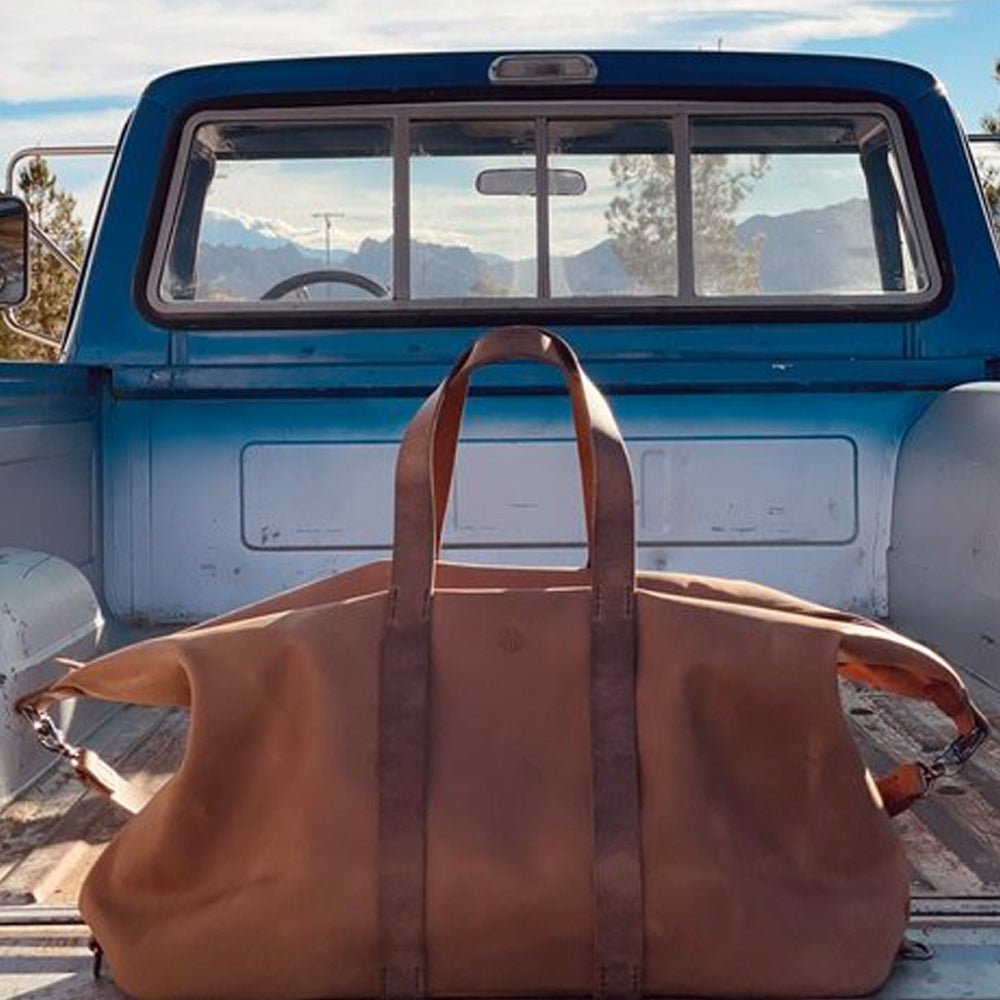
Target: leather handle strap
(873, 657)
(497, 346)
(426, 458)
(423, 472)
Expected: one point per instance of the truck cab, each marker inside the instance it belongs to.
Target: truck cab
(780, 268)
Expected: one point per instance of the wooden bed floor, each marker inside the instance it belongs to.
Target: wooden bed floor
(952, 836)
(51, 835)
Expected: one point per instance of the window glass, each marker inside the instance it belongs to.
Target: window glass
(472, 229)
(800, 206)
(612, 208)
(986, 154)
(804, 207)
(913, 275)
(294, 211)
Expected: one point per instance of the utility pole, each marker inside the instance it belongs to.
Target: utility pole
(328, 218)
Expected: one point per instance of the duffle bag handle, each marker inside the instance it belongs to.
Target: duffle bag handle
(425, 464)
(493, 347)
(423, 477)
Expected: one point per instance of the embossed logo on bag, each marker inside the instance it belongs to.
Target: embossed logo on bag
(510, 639)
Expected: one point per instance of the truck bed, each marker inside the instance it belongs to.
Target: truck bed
(52, 833)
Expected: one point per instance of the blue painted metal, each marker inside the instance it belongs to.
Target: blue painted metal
(49, 459)
(195, 523)
(616, 377)
(452, 72)
(45, 393)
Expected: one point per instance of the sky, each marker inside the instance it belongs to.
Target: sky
(72, 69)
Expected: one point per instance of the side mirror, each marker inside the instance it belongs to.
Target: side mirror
(13, 251)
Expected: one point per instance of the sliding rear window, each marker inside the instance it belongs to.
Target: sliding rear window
(517, 205)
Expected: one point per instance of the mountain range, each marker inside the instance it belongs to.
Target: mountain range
(222, 229)
(799, 251)
(834, 242)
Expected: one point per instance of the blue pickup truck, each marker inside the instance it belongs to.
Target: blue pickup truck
(780, 268)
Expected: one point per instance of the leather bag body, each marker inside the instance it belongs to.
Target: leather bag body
(420, 778)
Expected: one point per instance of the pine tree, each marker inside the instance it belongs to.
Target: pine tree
(51, 282)
(643, 223)
(991, 174)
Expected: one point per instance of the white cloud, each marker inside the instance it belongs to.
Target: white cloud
(279, 198)
(83, 177)
(63, 48)
(866, 21)
(307, 236)
(67, 128)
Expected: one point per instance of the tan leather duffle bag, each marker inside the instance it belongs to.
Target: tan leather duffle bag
(418, 778)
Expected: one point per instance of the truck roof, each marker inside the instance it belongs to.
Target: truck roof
(683, 73)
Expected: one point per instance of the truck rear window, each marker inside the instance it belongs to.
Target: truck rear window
(386, 209)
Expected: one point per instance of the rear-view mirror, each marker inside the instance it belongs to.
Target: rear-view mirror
(13, 251)
(523, 181)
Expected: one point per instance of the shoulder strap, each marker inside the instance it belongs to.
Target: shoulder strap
(89, 767)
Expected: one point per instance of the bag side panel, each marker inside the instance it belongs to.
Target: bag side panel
(252, 874)
(769, 868)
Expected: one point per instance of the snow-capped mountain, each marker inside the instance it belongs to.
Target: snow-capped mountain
(800, 252)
